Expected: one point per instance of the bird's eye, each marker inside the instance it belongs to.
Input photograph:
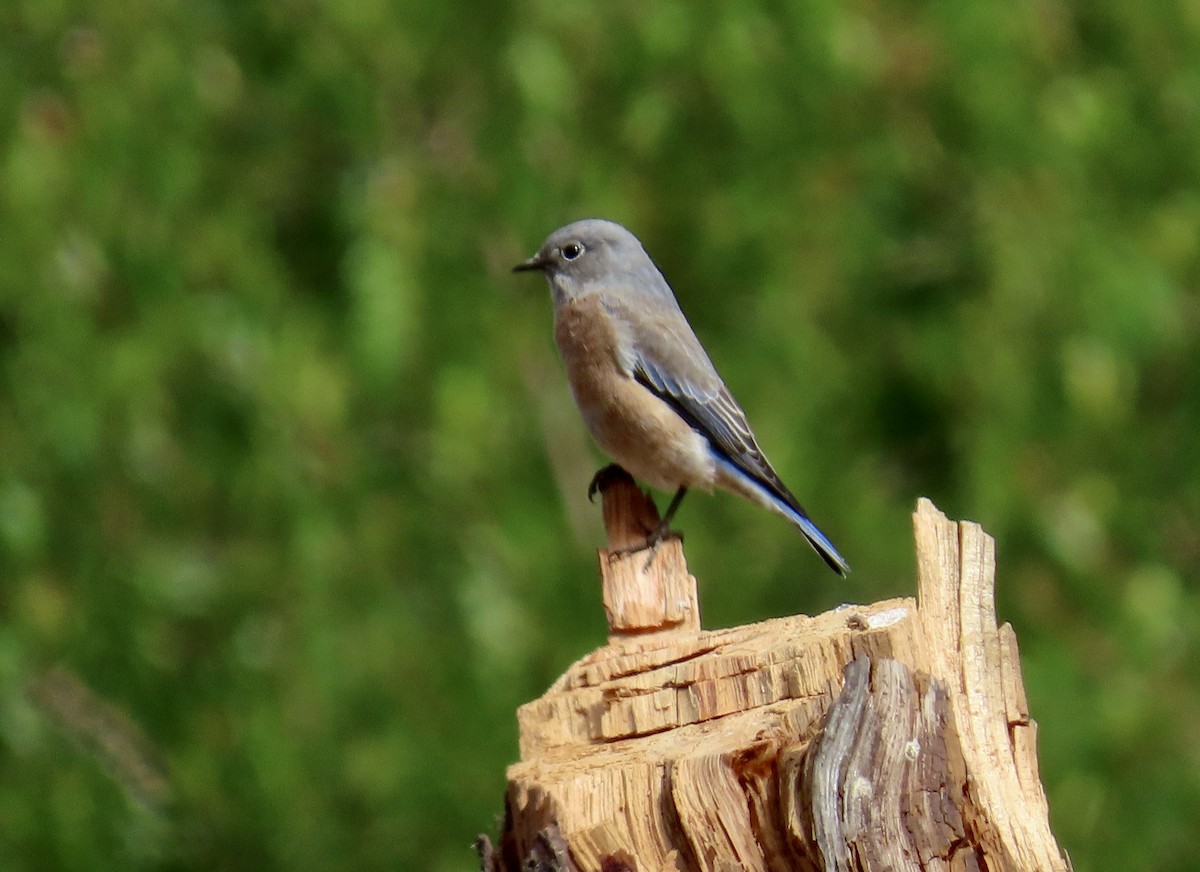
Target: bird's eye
(572, 250)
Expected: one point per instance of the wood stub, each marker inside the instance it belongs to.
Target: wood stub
(893, 736)
(648, 590)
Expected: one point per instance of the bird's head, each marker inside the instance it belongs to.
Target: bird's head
(593, 255)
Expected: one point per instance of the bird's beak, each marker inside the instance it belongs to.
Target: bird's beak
(535, 262)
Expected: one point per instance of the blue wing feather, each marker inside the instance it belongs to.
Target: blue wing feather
(670, 362)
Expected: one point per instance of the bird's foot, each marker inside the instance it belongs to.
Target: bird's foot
(656, 537)
(662, 531)
(603, 478)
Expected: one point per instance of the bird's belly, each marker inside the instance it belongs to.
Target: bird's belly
(636, 428)
(647, 437)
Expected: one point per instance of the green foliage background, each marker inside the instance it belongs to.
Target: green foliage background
(292, 508)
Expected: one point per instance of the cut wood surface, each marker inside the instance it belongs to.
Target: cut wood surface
(888, 736)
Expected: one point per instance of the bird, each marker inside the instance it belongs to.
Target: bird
(646, 388)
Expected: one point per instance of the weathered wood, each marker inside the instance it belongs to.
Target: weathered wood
(889, 736)
(882, 784)
(956, 572)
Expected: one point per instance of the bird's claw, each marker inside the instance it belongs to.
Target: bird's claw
(653, 539)
(603, 478)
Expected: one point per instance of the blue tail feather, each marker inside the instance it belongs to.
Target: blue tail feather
(758, 492)
(818, 540)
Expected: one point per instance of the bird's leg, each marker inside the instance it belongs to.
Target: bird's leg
(672, 508)
(606, 476)
(659, 533)
(664, 528)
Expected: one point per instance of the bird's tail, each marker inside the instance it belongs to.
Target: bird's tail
(818, 540)
(736, 479)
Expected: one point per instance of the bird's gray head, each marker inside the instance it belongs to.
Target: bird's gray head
(595, 255)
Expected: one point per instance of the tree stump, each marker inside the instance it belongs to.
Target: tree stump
(892, 736)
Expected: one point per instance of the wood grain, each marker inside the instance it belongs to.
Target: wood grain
(889, 736)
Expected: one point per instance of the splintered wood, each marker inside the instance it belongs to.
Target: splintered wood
(891, 736)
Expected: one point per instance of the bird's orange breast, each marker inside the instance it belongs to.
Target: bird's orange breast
(635, 427)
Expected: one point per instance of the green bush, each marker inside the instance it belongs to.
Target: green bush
(292, 508)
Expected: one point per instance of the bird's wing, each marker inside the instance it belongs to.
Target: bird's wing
(667, 358)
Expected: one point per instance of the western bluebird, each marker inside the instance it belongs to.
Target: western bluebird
(648, 393)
